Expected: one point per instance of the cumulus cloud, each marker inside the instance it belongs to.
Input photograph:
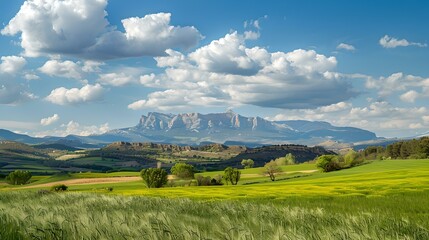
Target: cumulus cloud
(49, 120)
(226, 72)
(400, 82)
(75, 128)
(30, 76)
(64, 96)
(409, 96)
(80, 28)
(66, 69)
(120, 77)
(346, 46)
(11, 64)
(391, 42)
(379, 116)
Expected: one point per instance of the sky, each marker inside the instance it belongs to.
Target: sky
(89, 66)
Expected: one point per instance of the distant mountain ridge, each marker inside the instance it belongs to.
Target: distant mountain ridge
(196, 128)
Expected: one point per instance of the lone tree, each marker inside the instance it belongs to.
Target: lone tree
(154, 177)
(271, 169)
(183, 170)
(18, 177)
(247, 163)
(328, 163)
(232, 175)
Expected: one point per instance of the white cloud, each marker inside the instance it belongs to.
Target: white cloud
(77, 129)
(381, 117)
(11, 64)
(399, 82)
(30, 76)
(49, 120)
(346, 46)
(115, 79)
(66, 69)
(64, 96)
(80, 28)
(251, 35)
(409, 96)
(92, 66)
(226, 72)
(391, 42)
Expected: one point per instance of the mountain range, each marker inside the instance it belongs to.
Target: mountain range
(227, 128)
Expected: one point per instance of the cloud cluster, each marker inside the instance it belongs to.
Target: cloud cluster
(391, 42)
(64, 96)
(380, 116)
(412, 87)
(75, 128)
(49, 120)
(226, 72)
(80, 28)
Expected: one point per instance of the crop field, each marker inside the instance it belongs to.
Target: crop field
(380, 200)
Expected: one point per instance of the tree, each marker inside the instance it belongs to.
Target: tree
(183, 170)
(18, 177)
(351, 158)
(154, 177)
(328, 163)
(232, 175)
(289, 159)
(247, 163)
(271, 169)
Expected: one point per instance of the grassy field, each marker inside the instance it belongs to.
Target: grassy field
(380, 200)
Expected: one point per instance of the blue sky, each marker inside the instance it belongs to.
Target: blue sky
(87, 66)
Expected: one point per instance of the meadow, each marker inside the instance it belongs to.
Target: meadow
(380, 200)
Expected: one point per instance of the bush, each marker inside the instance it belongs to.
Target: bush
(247, 163)
(232, 175)
(59, 188)
(18, 177)
(289, 159)
(183, 170)
(328, 163)
(154, 177)
(203, 181)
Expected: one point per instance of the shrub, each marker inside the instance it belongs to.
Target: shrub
(59, 188)
(247, 163)
(154, 177)
(18, 177)
(217, 180)
(183, 170)
(203, 181)
(328, 163)
(232, 175)
(289, 159)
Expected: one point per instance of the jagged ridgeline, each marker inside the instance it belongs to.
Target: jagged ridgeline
(233, 129)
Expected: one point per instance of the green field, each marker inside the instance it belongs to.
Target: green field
(380, 200)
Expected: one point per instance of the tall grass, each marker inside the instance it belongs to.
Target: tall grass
(28, 215)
